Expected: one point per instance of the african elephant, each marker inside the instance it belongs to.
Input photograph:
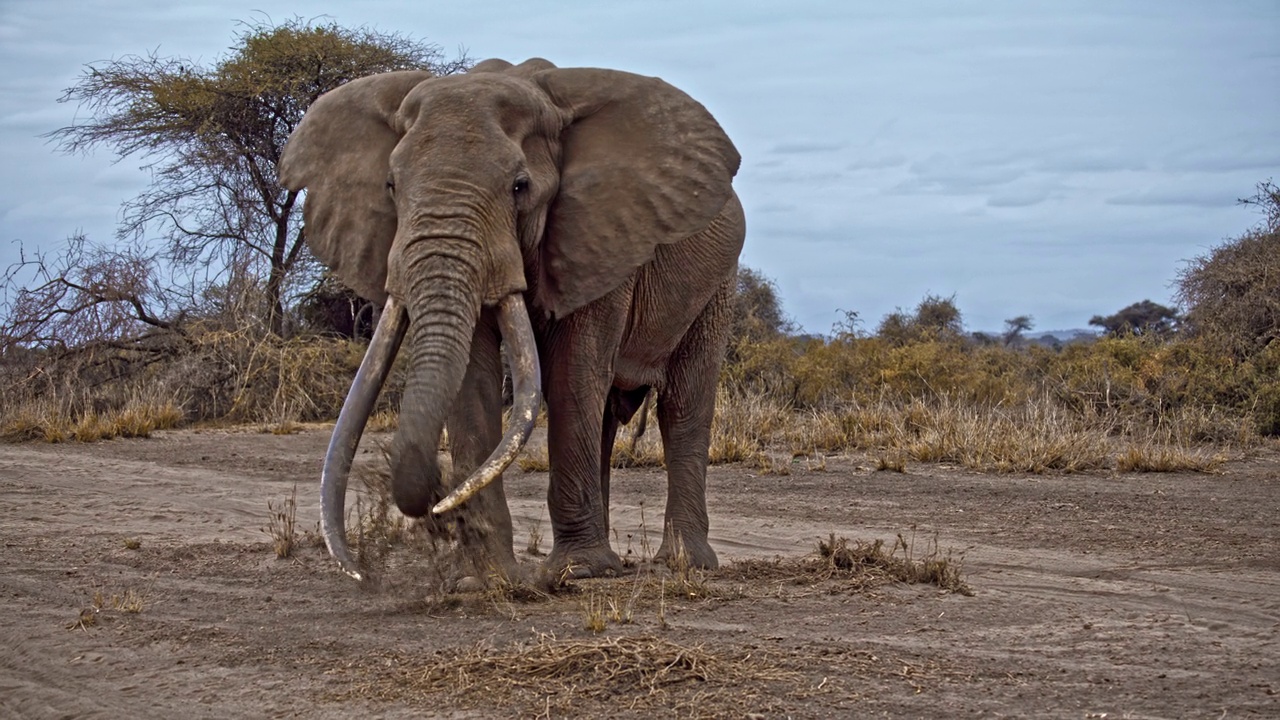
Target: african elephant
(585, 220)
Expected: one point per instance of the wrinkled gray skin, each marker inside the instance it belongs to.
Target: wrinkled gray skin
(605, 199)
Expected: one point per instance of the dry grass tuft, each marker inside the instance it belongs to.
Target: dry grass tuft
(383, 421)
(550, 676)
(593, 619)
(892, 462)
(686, 581)
(432, 555)
(534, 546)
(628, 452)
(502, 588)
(281, 524)
(930, 568)
(839, 565)
(1168, 458)
(49, 422)
(130, 602)
(534, 459)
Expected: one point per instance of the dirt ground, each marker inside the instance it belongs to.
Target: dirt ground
(137, 581)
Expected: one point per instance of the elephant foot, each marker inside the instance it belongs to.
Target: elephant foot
(480, 554)
(679, 551)
(511, 576)
(576, 563)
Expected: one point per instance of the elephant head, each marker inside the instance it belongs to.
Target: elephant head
(505, 185)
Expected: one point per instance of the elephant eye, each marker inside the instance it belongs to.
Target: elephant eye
(521, 185)
(391, 186)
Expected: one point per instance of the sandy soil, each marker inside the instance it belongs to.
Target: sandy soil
(1094, 595)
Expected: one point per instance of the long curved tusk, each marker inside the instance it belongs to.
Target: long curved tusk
(351, 421)
(526, 376)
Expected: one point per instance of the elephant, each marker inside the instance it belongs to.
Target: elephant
(581, 220)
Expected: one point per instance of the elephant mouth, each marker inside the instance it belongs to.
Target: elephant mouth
(521, 348)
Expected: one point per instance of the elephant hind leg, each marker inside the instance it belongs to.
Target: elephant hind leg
(686, 408)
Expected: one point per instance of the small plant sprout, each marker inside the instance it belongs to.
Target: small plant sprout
(535, 539)
(593, 618)
(281, 522)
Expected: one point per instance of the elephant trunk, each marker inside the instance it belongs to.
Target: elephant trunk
(444, 305)
(526, 375)
(443, 311)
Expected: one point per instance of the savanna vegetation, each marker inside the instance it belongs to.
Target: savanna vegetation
(207, 307)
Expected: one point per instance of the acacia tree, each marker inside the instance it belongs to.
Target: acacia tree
(1015, 327)
(212, 138)
(1140, 318)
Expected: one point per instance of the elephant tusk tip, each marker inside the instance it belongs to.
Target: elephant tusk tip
(444, 506)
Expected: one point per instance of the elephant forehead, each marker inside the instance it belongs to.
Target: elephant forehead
(485, 101)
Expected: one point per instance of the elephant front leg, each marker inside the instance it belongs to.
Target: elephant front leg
(483, 525)
(686, 408)
(578, 373)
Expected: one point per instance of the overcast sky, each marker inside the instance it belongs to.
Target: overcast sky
(1058, 159)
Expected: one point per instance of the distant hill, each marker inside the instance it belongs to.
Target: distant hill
(1064, 335)
(1060, 337)
(1046, 337)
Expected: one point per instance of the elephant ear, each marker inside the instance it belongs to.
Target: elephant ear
(642, 164)
(340, 153)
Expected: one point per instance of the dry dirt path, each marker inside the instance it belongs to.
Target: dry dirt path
(1125, 595)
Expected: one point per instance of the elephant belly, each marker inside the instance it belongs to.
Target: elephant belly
(671, 292)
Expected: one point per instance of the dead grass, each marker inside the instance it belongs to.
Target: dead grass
(1167, 458)
(281, 524)
(534, 546)
(1036, 436)
(130, 602)
(931, 567)
(686, 581)
(49, 421)
(534, 459)
(383, 421)
(593, 619)
(554, 677)
(428, 554)
(379, 525)
(204, 374)
(841, 565)
(892, 462)
(1115, 405)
